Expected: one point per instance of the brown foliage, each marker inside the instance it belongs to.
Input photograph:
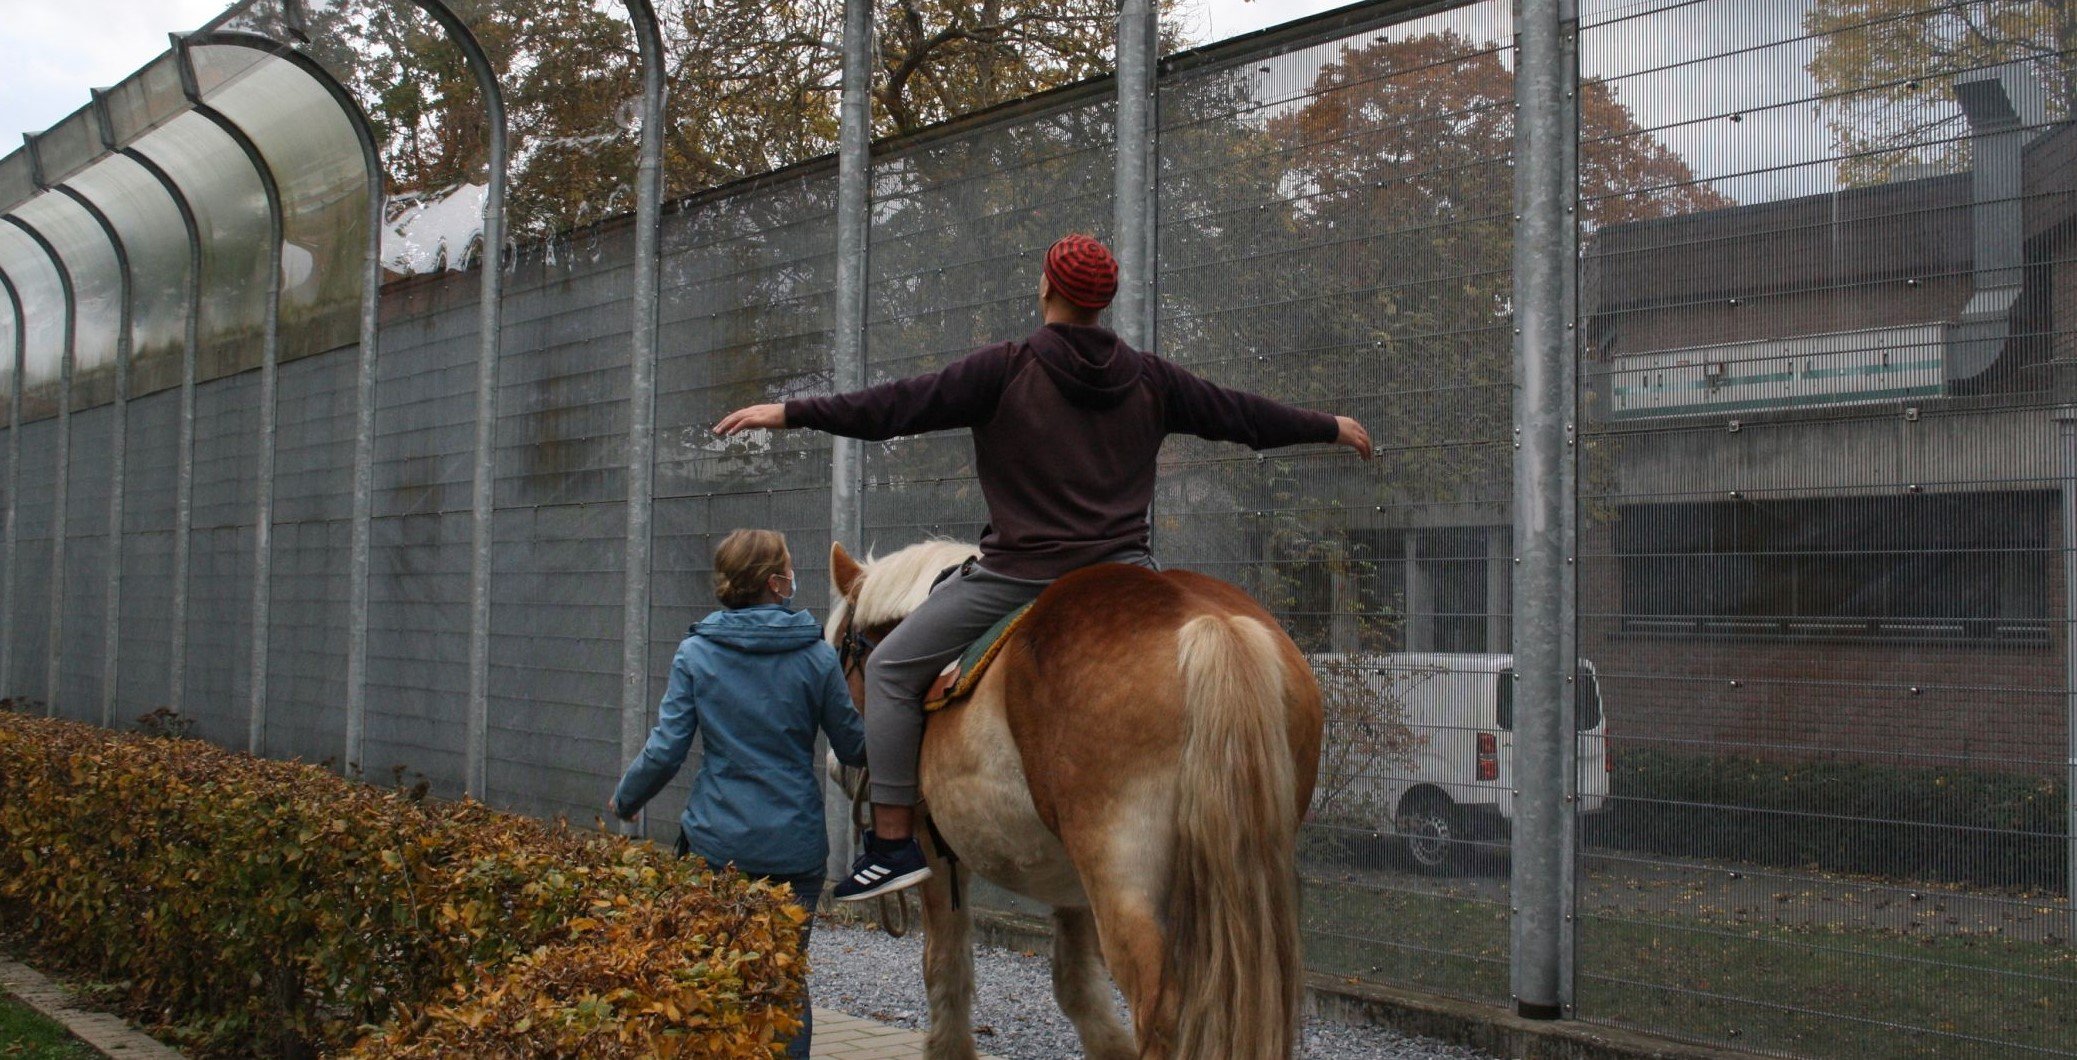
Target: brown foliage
(257, 907)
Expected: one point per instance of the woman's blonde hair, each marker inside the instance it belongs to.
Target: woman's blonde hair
(744, 561)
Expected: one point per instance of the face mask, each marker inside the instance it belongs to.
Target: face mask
(787, 600)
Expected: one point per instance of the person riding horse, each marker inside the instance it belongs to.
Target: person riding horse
(1067, 425)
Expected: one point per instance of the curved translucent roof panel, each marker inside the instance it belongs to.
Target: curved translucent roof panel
(9, 336)
(96, 285)
(399, 64)
(573, 89)
(157, 242)
(43, 309)
(310, 145)
(231, 210)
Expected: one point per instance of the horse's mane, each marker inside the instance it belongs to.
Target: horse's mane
(895, 585)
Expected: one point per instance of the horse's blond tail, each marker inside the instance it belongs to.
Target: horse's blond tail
(1233, 954)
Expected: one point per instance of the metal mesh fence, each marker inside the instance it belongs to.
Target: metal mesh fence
(1826, 466)
(1823, 559)
(746, 288)
(1324, 241)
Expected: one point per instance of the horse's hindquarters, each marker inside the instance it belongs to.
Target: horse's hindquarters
(974, 785)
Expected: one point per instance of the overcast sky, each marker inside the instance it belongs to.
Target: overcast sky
(58, 49)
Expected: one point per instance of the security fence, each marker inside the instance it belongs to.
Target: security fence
(1696, 653)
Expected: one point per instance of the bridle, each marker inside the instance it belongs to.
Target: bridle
(853, 646)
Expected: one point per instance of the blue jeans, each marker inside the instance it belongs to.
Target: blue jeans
(807, 890)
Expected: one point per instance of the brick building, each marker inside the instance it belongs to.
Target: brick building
(1824, 472)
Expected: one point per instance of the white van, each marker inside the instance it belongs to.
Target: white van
(1426, 742)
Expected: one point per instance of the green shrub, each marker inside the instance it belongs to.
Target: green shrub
(1957, 825)
(271, 908)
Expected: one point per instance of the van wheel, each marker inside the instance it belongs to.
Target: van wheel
(1428, 822)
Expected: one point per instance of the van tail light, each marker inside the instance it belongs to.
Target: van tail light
(1488, 756)
(1607, 759)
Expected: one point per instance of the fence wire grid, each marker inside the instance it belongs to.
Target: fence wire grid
(1824, 452)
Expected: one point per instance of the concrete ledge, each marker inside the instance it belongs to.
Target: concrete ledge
(107, 1034)
(1491, 1028)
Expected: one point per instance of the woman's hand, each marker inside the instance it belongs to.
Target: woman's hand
(750, 418)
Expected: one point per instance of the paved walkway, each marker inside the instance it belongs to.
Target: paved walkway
(838, 1036)
(106, 1033)
(844, 1037)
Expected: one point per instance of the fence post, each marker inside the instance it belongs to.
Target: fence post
(476, 754)
(14, 481)
(270, 357)
(184, 458)
(1131, 199)
(1546, 658)
(847, 353)
(112, 561)
(641, 389)
(64, 470)
(2066, 430)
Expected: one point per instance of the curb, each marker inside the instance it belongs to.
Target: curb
(106, 1034)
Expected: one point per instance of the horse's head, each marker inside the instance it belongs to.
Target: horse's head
(874, 596)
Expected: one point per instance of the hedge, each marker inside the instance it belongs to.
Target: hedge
(1952, 825)
(252, 907)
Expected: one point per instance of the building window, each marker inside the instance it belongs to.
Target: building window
(1972, 566)
(1384, 590)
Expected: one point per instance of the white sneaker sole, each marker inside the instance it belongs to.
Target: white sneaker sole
(889, 886)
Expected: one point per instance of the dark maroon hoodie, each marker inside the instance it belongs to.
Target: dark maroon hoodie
(1067, 427)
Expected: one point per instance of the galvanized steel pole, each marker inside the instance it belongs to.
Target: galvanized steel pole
(477, 751)
(14, 481)
(362, 512)
(360, 517)
(1132, 224)
(64, 470)
(641, 392)
(1546, 660)
(847, 354)
(184, 457)
(111, 624)
(270, 358)
(2066, 429)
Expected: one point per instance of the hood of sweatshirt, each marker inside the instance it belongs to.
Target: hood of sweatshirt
(764, 629)
(1093, 368)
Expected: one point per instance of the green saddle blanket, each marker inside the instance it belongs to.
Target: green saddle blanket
(959, 679)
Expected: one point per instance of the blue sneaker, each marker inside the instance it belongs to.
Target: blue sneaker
(878, 872)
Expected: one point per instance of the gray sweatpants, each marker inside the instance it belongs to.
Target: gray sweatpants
(901, 667)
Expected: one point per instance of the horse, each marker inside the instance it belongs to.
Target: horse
(1138, 756)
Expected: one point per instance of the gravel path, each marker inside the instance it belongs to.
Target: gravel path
(865, 973)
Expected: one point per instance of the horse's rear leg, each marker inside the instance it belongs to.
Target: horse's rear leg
(948, 969)
(1083, 989)
(1129, 927)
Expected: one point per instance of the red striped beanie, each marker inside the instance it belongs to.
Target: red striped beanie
(1082, 271)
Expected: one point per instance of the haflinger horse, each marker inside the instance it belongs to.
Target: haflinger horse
(1138, 756)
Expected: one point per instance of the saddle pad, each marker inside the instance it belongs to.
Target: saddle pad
(959, 679)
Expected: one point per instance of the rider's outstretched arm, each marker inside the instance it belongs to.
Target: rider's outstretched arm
(961, 394)
(1194, 405)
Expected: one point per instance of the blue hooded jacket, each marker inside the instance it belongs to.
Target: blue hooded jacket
(756, 683)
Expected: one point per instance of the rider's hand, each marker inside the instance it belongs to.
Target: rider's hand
(1353, 435)
(752, 417)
